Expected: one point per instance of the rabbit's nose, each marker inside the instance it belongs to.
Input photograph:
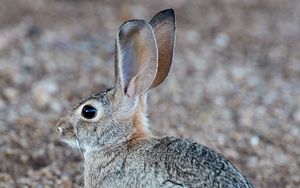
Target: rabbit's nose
(60, 130)
(60, 126)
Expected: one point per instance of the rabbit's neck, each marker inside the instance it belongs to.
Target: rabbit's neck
(138, 122)
(99, 163)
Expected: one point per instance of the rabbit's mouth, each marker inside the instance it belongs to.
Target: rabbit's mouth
(67, 134)
(74, 143)
(69, 139)
(71, 142)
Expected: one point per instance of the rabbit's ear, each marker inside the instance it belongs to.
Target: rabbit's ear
(136, 58)
(164, 28)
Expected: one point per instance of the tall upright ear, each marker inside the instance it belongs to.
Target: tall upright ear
(136, 58)
(164, 28)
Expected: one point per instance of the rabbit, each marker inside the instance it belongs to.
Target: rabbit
(111, 127)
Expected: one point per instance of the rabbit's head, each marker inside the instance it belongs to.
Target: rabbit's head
(144, 53)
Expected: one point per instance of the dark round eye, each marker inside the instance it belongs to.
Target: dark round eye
(88, 112)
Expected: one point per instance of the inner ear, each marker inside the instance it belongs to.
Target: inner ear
(136, 58)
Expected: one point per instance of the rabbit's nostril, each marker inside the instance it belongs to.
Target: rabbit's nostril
(60, 129)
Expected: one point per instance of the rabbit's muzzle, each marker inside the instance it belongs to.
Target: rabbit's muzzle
(65, 129)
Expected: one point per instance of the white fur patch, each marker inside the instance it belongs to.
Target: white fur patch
(71, 143)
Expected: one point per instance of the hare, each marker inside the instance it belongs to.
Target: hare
(111, 128)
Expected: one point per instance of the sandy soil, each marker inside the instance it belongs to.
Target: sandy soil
(234, 85)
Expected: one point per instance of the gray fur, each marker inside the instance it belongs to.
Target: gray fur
(120, 151)
(163, 162)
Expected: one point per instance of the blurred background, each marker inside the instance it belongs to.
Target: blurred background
(234, 85)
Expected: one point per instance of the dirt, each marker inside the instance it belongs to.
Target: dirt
(234, 85)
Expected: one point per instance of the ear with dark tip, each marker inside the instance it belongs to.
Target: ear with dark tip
(136, 58)
(164, 28)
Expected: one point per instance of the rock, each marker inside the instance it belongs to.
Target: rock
(66, 182)
(238, 73)
(254, 140)
(296, 115)
(219, 100)
(2, 103)
(281, 158)
(24, 158)
(43, 93)
(232, 154)
(192, 36)
(33, 31)
(7, 180)
(260, 112)
(252, 161)
(56, 106)
(40, 161)
(222, 40)
(10, 94)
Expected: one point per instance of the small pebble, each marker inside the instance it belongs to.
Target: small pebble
(254, 140)
(10, 94)
(296, 115)
(222, 40)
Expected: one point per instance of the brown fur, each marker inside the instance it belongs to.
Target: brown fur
(141, 132)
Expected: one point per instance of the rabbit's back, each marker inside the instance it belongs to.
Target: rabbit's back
(189, 164)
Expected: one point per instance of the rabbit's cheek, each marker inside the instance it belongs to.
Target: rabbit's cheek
(84, 132)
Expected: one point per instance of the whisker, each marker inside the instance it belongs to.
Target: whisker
(78, 145)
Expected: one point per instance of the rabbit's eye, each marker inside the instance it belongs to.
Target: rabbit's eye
(88, 112)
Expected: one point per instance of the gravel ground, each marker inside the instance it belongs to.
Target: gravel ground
(234, 85)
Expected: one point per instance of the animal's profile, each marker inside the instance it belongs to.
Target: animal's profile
(111, 127)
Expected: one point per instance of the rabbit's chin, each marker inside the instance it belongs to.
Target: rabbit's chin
(71, 142)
